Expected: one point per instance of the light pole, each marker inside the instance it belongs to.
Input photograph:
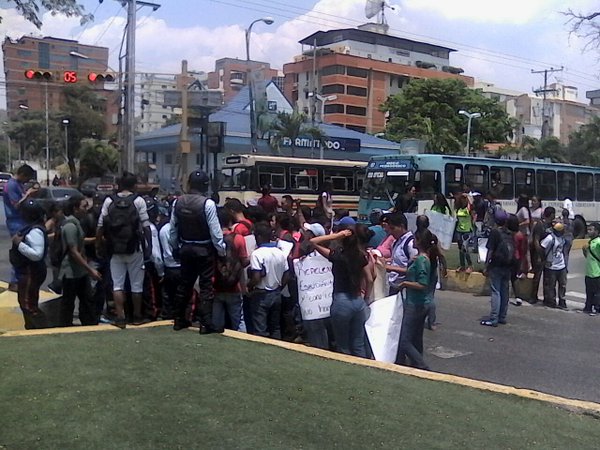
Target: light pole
(66, 123)
(47, 136)
(471, 116)
(324, 99)
(253, 138)
(8, 149)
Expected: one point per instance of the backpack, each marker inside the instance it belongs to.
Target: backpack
(229, 269)
(55, 248)
(504, 253)
(122, 226)
(17, 259)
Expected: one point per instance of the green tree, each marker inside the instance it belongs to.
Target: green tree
(85, 111)
(428, 109)
(292, 126)
(532, 148)
(584, 144)
(97, 158)
(28, 133)
(31, 10)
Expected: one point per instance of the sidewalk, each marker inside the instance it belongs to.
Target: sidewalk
(11, 318)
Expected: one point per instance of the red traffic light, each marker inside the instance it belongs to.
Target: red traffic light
(95, 77)
(38, 75)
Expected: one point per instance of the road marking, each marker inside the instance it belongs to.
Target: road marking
(447, 353)
(576, 295)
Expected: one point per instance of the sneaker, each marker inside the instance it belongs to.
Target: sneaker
(488, 323)
(469, 270)
(209, 330)
(140, 320)
(518, 301)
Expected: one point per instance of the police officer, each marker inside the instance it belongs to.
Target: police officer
(196, 232)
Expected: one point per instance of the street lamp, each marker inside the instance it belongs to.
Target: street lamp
(471, 116)
(253, 138)
(66, 123)
(324, 99)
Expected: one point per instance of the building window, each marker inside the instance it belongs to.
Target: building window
(164, 116)
(332, 89)
(44, 55)
(333, 70)
(357, 72)
(357, 128)
(355, 90)
(24, 53)
(356, 110)
(334, 109)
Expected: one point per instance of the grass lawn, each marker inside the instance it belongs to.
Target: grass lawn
(155, 388)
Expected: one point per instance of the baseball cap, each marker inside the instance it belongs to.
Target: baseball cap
(345, 221)
(198, 178)
(315, 228)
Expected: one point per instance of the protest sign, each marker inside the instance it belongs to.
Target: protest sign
(315, 286)
(381, 285)
(482, 250)
(384, 326)
(442, 225)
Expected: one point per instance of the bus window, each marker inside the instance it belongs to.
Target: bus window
(477, 177)
(341, 180)
(502, 183)
(273, 176)
(427, 183)
(454, 178)
(597, 187)
(546, 184)
(585, 187)
(566, 185)
(360, 180)
(303, 179)
(524, 182)
(237, 177)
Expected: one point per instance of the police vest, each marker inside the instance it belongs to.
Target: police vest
(191, 219)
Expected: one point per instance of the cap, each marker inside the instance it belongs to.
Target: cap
(315, 228)
(345, 221)
(559, 226)
(198, 178)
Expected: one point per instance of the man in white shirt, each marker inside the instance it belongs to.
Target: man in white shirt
(555, 270)
(269, 268)
(403, 251)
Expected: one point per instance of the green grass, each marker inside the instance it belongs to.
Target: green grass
(155, 388)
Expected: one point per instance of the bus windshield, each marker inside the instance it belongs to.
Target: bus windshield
(386, 186)
(236, 177)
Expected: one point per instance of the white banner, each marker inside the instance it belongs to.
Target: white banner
(411, 219)
(315, 286)
(384, 326)
(442, 225)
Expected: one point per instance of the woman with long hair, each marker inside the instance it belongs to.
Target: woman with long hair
(464, 232)
(537, 209)
(416, 301)
(351, 275)
(440, 204)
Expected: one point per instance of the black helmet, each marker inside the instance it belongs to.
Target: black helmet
(198, 180)
(32, 211)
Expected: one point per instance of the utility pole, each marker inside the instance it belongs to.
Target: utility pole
(128, 155)
(313, 82)
(544, 91)
(183, 81)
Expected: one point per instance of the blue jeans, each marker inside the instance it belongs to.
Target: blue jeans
(411, 336)
(230, 303)
(348, 317)
(316, 333)
(266, 313)
(463, 248)
(499, 283)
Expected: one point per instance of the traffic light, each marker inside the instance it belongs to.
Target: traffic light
(96, 77)
(43, 75)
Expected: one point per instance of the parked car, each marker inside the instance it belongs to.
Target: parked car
(52, 194)
(4, 177)
(109, 184)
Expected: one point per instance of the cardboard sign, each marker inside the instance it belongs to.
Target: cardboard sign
(442, 226)
(384, 326)
(315, 286)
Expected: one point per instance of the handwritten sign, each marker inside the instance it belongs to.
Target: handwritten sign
(315, 286)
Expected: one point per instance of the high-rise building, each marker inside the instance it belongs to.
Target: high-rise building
(230, 75)
(356, 70)
(63, 62)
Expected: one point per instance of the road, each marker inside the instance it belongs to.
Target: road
(548, 350)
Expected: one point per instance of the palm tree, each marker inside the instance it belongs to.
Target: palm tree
(292, 126)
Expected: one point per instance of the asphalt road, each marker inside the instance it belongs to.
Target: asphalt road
(548, 350)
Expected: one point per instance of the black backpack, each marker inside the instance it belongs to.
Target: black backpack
(17, 259)
(229, 268)
(504, 253)
(122, 226)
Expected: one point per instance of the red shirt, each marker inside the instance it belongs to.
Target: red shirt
(239, 244)
(243, 228)
(268, 203)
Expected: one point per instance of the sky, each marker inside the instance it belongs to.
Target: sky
(496, 41)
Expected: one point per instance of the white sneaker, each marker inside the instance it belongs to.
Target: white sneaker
(518, 301)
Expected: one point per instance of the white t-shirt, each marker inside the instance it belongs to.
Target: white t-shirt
(568, 205)
(554, 249)
(140, 205)
(271, 261)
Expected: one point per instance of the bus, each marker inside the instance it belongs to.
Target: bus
(388, 176)
(242, 177)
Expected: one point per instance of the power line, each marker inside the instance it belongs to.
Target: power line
(114, 17)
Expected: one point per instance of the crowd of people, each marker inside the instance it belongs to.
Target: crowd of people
(129, 260)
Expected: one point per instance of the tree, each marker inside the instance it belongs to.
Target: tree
(292, 126)
(84, 109)
(584, 144)
(585, 26)
(97, 158)
(532, 148)
(28, 133)
(428, 109)
(31, 10)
